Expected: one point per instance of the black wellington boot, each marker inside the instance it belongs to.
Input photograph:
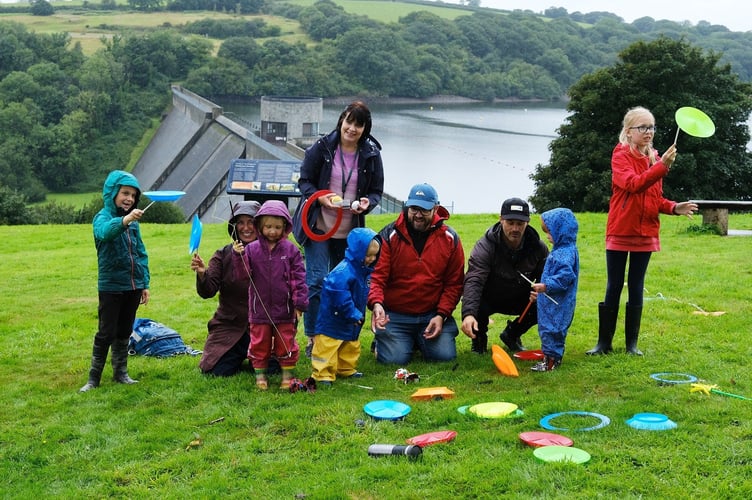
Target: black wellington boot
(632, 328)
(606, 327)
(98, 360)
(120, 362)
(511, 336)
(480, 343)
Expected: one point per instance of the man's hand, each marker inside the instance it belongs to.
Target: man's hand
(470, 326)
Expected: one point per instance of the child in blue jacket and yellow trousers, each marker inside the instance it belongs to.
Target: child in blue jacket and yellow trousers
(336, 346)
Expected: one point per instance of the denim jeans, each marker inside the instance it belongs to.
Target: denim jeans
(320, 258)
(404, 333)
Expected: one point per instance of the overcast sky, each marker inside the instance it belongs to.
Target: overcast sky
(736, 15)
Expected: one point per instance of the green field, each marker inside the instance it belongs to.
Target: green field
(135, 441)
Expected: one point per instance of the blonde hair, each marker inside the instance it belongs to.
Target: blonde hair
(631, 118)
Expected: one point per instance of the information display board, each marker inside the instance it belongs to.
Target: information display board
(268, 178)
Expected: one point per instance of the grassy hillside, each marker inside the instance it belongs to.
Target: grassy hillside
(88, 27)
(178, 434)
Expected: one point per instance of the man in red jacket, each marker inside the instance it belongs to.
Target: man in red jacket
(417, 283)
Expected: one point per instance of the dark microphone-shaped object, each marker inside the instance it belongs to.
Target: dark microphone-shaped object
(410, 450)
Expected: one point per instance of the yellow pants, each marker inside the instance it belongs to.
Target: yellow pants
(332, 357)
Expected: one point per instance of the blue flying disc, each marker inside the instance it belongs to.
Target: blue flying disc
(164, 195)
(386, 410)
(674, 378)
(196, 229)
(651, 422)
(545, 422)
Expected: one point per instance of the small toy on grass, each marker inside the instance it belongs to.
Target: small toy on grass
(707, 389)
(406, 376)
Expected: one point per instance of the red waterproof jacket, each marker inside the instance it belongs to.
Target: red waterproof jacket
(408, 283)
(636, 194)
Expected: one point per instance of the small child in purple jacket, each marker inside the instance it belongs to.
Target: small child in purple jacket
(277, 296)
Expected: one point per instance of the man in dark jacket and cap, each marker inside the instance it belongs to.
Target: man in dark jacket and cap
(502, 264)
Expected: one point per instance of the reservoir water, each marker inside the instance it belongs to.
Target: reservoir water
(475, 155)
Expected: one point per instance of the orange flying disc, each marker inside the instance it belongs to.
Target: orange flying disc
(503, 362)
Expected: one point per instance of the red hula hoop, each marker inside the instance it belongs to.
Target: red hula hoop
(304, 222)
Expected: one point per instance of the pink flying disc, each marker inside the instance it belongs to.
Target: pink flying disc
(537, 439)
(433, 438)
(533, 355)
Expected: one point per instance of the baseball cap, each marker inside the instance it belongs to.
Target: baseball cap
(515, 209)
(423, 196)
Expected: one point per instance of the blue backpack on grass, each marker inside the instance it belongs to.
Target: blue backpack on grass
(150, 338)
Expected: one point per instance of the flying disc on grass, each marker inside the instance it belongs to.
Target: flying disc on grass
(562, 454)
(651, 422)
(503, 362)
(433, 393)
(386, 410)
(496, 409)
(533, 355)
(537, 439)
(432, 438)
(196, 229)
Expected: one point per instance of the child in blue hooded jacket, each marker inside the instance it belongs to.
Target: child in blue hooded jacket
(559, 284)
(336, 346)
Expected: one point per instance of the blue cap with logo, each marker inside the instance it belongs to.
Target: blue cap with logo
(423, 196)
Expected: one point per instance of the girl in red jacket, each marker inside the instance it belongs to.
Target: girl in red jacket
(637, 174)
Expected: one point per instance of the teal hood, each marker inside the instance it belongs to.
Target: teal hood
(111, 187)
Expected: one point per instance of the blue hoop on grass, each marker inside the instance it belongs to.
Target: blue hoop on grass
(545, 421)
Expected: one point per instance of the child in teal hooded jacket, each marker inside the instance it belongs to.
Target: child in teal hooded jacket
(559, 284)
(123, 275)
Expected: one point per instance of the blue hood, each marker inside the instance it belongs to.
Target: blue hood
(358, 241)
(562, 225)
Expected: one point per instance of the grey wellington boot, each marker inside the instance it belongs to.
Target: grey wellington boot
(632, 328)
(120, 362)
(98, 360)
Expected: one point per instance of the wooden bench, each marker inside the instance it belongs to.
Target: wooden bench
(715, 212)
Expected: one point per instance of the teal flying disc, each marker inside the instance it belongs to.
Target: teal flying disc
(196, 229)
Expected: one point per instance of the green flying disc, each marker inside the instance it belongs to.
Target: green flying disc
(694, 122)
(561, 454)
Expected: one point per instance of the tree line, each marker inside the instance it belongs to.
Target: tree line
(66, 119)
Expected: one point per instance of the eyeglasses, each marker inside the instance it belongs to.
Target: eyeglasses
(418, 210)
(644, 129)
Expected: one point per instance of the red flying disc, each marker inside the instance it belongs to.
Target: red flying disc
(433, 438)
(533, 355)
(537, 439)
